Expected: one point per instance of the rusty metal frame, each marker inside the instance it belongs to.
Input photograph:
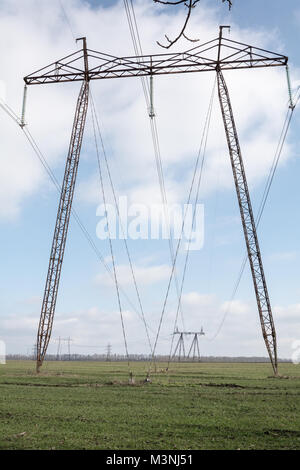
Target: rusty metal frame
(248, 222)
(225, 54)
(61, 227)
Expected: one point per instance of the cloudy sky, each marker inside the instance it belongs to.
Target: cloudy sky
(36, 33)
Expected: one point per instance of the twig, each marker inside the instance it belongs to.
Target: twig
(189, 4)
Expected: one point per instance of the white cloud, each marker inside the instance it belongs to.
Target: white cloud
(238, 333)
(2, 90)
(38, 35)
(284, 256)
(25, 324)
(236, 307)
(290, 312)
(144, 275)
(194, 299)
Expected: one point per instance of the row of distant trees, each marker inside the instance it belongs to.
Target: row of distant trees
(139, 357)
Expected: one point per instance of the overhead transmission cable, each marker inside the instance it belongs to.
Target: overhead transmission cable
(207, 122)
(67, 20)
(266, 192)
(104, 152)
(134, 32)
(110, 242)
(278, 152)
(202, 149)
(120, 222)
(51, 175)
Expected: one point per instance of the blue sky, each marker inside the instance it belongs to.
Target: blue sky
(87, 309)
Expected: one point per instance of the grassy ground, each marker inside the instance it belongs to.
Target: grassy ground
(89, 405)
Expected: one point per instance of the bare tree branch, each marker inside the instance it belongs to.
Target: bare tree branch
(169, 3)
(189, 39)
(189, 4)
(229, 3)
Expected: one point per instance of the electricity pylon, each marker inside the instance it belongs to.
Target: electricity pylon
(180, 347)
(86, 65)
(60, 341)
(108, 352)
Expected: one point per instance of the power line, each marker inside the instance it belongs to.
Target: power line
(266, 192)
(183, 222)
(121, 225)
(110, 244)
(133, 27)
(203, 140)
(51, 175)
(67, 20)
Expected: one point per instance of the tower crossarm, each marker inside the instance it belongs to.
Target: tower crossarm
(224, 54)
(188, 333)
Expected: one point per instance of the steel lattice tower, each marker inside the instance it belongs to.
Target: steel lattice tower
(194, 347)
(85, 65)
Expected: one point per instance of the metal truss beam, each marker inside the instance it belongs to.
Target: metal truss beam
(220, 52)
(248, 222)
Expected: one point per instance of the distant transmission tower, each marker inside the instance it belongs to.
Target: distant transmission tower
(58, 349)
(194, 348)
(67, 341)
(108, 352)
(34, 351)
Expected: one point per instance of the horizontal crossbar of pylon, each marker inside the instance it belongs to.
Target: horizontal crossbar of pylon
(233, 55)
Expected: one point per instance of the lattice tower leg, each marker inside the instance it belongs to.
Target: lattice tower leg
(248, 222)
(61, 227)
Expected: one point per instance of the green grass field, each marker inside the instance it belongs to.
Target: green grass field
(90, 405)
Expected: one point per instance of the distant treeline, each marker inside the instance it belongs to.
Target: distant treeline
(139, 357)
